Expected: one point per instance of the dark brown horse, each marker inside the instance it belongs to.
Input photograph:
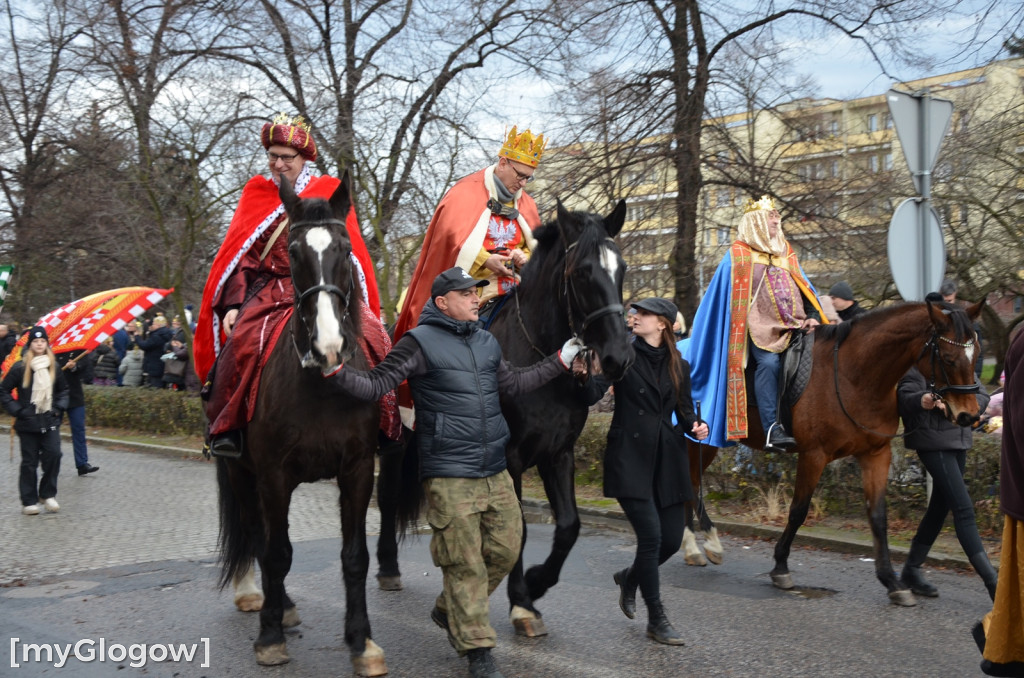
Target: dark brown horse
(849, 409)
(302, 432)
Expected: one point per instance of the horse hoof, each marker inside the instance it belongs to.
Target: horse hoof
(272, 655)
(527, 623)
(716, 557)
(250, 602)
(782, 581)
(902, 598)
(290, 618)
(695, 559)
(389, 583)
(371, 661)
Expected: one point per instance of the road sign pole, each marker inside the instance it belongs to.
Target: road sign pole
(925, 174)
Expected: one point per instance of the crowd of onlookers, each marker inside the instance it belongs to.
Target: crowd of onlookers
(151, 353)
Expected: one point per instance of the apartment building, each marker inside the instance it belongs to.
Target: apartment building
(838, 169)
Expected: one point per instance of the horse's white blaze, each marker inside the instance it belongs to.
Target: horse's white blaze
(319, 239)
(329, 341)
(609, 262)
(969, 352)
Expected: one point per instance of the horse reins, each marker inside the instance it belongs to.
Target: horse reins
(345, 296)
(931, 343)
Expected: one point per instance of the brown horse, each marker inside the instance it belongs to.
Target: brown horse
(849, 409)
(302, 431)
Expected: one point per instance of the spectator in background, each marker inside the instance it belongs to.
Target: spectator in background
(177, 329)
(7, 341)
(679, 326)
(175, 364)
(152, 349)
(842, 300)
(130, 369)
(77, 368)
(124, 339)
(105, 362)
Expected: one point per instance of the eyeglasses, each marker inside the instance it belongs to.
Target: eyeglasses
(524, 178)
(274, 157)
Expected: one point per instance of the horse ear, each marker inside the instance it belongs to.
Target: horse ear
(974, 310)
(563, 220)
(613, 222)
(287, 194)
(341, 199)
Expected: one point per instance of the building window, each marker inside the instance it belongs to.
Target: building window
(723, 234)
(872, 123)
(833, 169)
(872, 163)
(707, 199)
(887, 121)
(887, 162)
(833, 127)
(723, 197)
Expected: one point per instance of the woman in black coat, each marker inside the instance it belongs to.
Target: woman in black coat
(42, 399)
(645, 463)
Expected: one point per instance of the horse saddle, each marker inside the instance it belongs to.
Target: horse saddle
(795, 373)
(491, 308)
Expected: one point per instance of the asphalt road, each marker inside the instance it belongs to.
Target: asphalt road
(130, 560)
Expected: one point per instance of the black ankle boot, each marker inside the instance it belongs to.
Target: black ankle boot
(227, 444)
(988, 574)
(481, 664)
(627, 592)
(658, 627)
(912, 576)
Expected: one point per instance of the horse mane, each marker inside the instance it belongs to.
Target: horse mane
(547, 257)
(962, 325)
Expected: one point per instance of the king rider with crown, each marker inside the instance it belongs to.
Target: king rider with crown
(248, 294)
(483, 224)
(758, 297)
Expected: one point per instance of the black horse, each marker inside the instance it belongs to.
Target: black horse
(302, 432)
(572, 285)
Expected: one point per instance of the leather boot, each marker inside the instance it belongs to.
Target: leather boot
(481, 664)
(227, 444)
(627, 591)
(912, 576)
(658, 627)
(988, 574)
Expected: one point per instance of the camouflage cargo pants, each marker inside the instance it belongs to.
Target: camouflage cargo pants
(478, 532)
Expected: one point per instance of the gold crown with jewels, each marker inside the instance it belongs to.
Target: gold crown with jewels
(765, 203)
(525, 147)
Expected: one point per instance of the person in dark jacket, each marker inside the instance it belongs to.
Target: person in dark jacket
(646, 466)
(77, 369)
(842, 299)
(175, 364)
(153, 348)
(1000, 635)
(7, 341)
(105, 362)
(42, 397)
(942, 447)
(456, 372)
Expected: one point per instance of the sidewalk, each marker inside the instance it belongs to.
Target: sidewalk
(538, 510)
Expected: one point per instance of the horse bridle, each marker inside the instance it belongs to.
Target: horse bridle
(931, 343)
(345, 296)
(570, 296)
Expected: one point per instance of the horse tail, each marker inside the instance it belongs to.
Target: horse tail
(238, 547)
(399, 484)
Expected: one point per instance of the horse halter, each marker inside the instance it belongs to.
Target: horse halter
(571, 295)
(307, 360)
(958, 389)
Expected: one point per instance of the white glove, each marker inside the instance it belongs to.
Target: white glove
(569, 351)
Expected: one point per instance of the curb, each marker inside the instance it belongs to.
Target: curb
(616, 520)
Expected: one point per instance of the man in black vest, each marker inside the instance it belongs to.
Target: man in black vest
(456, 372)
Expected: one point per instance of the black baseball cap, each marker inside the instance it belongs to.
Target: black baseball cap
(658, 306)
(453, 279)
